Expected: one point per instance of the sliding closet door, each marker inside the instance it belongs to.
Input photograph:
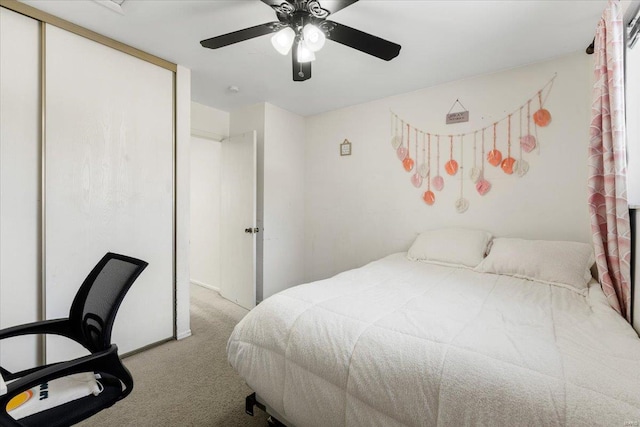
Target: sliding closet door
(109, 182)
(19, 183)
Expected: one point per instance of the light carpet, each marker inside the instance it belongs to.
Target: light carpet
(187, 382)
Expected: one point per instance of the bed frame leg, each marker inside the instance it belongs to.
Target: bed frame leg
(273, 422)
(249, 403)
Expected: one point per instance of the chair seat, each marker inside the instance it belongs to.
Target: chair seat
(77, 410)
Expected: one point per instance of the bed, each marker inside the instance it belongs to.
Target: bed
(410, 343)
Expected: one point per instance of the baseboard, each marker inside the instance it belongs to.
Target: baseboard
(205, 285)
(146, 347)
(183, 335)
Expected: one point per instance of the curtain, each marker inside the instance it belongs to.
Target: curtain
(607, 164)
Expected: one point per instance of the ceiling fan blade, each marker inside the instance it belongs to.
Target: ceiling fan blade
(335, 5)
(363, 42)
(241, 35)
(275, 3)
(301, 71)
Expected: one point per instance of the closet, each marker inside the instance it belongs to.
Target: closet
(88, 161)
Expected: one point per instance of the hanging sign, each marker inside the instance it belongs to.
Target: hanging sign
(459, 117)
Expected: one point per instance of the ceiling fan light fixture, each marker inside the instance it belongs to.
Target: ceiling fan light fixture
(283, 40)
(304, 53)
(314, 37)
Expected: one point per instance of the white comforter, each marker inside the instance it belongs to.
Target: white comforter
(408, 343)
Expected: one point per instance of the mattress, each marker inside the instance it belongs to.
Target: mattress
(403, 343)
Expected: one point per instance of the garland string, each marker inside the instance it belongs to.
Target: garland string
(429, 174)
(547, 87)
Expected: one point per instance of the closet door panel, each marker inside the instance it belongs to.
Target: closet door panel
(109, 182)
(19, 184)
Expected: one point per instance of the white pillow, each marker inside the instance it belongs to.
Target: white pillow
(566, 264)
(450, 246)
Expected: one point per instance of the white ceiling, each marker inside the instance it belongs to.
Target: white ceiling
(441, 41)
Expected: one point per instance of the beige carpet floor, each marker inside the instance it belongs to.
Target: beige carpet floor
(187, 382)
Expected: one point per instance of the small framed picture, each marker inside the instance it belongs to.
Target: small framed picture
(345, 148)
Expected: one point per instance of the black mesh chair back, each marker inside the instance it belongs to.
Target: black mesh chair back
(95, 306)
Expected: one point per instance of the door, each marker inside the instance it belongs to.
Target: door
(238, 219)
(19, 185)
(108, 183)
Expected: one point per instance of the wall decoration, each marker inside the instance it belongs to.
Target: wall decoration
(408, 162)
(495, 156)
(528, 142)
(422, 167)
(416, 178)
(522, 166)
(451, 166)
(396, 140)
(345, 148)
(482, 185)
(459, 117)
(462, 204)
(542, 117)
(429, 197)
(475, 170)
(438, 180)
(402, 152)
(508, 162)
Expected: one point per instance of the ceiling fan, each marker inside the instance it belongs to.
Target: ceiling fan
(304, 23)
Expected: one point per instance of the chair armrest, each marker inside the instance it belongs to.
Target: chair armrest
(56, 326)
(106, 361)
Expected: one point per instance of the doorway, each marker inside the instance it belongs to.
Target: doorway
(223, 216)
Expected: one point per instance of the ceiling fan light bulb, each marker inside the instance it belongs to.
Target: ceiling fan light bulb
(314, 37)
(304, 53)
(283, 40)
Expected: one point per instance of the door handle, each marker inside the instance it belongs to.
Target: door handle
(251, 230)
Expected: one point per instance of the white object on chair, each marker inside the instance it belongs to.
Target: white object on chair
(56, 392)
(3, 386)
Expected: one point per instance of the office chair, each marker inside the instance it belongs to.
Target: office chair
(90, 322)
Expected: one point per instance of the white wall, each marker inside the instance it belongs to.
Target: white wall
(362, 207)
(283, 258)
(208, 127)
(183, 137)
(208, 122)
(205, 212)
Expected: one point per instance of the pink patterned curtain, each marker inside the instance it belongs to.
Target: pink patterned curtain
(607, 164)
